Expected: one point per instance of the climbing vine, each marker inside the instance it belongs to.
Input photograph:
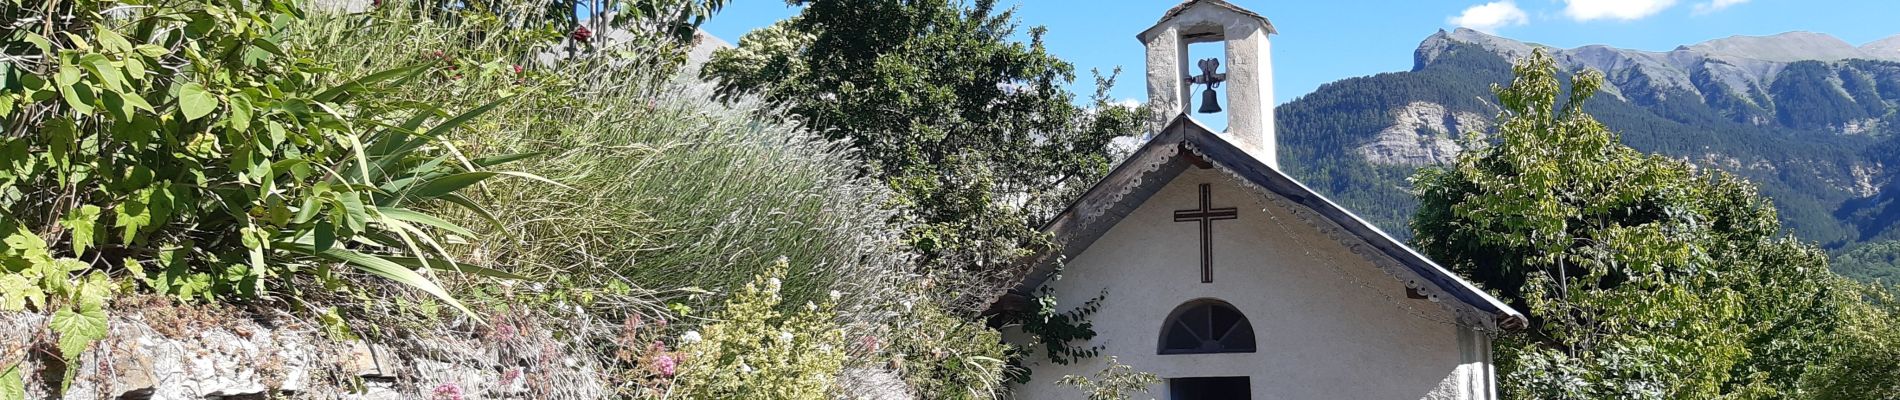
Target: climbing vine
(1054, 330)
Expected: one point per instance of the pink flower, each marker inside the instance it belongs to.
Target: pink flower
(504, 332)
(510, 376)
(448, 391)
(664, 364)
(869, 342)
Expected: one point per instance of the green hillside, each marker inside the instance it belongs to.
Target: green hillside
(1814, 136)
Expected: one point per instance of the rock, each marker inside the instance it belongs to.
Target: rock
(872, 384)
(1422, 133)
(241, 359)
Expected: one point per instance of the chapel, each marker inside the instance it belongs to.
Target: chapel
(1228, 279)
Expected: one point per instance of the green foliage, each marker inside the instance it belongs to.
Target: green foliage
(754, 350)
(1876, 262)
(12, 383)
(675, 18)
(1868, 367)
(973, 130)
(1645, 277)
(947, 357)
(194, 138)
(1058, 330)
(1114, 382)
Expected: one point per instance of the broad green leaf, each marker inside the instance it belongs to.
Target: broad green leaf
(77, 94)
(117, 105)
(94, 291)
(45, 45)
(134, 70)
(352, 204)
(111, 41)
(16, 292)
(387, 269)
(132, 215)
(133, 99)
(77, 330)
(80, 224)
(151, 50)
(12, 383)
(102, 68)
(240, 118)
(324, 236)
(195, 102)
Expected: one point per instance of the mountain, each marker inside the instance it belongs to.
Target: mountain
(1809, 118)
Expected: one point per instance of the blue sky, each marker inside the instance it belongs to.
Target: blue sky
(1327, 40)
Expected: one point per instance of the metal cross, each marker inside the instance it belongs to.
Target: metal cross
(1207, 76)
(1206, 216)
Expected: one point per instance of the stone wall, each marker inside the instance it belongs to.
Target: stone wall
(162, 356)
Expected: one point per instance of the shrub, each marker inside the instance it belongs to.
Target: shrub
(942, 356)
(1116, 381)
(673, 188)
(753, 350)
(186, 145)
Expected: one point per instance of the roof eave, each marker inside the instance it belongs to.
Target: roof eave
(1172, 13)
(1125, 187)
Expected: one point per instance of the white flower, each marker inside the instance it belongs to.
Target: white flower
(772, 283)
(745, 368)
(906, 305)
(836, 294)
(784, 336)
(689, 337)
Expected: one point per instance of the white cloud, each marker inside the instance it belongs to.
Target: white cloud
(1489, 17)
(1626, 10)
(1715, 5)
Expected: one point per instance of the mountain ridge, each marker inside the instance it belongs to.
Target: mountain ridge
(1804, 123)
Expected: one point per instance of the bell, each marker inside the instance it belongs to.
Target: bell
(1210, 103)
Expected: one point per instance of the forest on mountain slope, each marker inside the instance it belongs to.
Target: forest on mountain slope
(1831, 188)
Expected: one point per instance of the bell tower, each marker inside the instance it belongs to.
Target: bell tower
(1173, 78)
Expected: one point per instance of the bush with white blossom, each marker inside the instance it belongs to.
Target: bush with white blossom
(753, 348)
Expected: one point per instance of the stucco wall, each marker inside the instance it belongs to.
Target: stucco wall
(1329, 324)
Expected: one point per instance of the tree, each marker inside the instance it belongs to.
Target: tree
(1645, 277)
(973, 130)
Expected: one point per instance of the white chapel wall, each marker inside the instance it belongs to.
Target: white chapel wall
(1329, 325)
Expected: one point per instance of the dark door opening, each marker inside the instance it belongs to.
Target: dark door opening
(1210, 388)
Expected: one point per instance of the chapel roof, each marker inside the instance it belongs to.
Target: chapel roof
(1185, 143)
(1189, 4)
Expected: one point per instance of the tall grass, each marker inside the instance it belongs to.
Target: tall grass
(671, 188)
